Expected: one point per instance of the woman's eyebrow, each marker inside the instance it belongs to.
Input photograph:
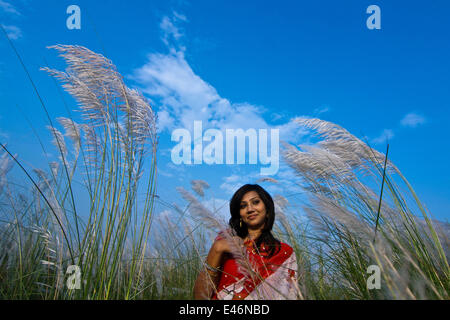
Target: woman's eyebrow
(250, 199)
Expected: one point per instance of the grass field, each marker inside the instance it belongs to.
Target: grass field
(121, 251)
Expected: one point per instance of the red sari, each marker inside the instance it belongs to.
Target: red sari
(273, 278)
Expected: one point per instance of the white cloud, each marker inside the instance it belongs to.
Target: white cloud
(164, 173)
(165, 121)
(412, 120)
(187, 97)
(236, 180)
(175, 168)
(290, 131)
(320, 110)
(169, 29)
(13, 32)
(9, 8)
(4, 136)
(179, 16)
(164, 152)
(385, 136)
(172, 33)
(231, 183)
(184, 94)
(276, 116)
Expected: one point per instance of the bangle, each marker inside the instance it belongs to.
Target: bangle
(211, 268)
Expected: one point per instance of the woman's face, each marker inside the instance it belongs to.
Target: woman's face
(253, 210)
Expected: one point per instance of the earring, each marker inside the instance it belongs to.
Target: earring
(240, 223)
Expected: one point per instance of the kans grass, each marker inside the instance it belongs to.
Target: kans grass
(346, 223)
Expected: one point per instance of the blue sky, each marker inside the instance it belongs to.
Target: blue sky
(252, 64)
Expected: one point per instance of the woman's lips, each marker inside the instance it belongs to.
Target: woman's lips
(252, 217)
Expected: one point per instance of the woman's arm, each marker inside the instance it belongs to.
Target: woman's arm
(207, 280)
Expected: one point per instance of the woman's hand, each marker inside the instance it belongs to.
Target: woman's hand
(226, 245)
(207, 281)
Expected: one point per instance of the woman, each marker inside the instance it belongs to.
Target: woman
(252, 264)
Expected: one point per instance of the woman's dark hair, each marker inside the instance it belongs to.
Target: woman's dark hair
(266, 236)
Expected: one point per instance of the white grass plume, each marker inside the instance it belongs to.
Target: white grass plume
(59, 142)
(267, 179)
(200, 212)
(198, 186)
(99, 88)
(6, 164)
(72, 130)
(342, 176)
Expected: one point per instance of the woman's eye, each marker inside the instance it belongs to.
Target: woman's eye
(243, 206)
(255, 202)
